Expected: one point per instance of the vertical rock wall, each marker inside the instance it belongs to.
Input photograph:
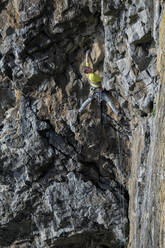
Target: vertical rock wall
(64, 184)
(60, 182)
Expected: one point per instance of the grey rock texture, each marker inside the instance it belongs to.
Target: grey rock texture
(89, 184)
(60, 182)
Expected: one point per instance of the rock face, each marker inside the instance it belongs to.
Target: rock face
(97, 183)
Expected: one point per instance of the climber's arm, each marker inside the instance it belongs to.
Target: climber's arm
(88, 61)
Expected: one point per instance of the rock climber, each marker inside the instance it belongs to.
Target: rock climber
(96, 91)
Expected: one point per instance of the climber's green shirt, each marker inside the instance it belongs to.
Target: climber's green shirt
(94, 79)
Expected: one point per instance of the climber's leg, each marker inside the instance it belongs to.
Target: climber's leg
(110, 102)
(85, 104)
(98, 94)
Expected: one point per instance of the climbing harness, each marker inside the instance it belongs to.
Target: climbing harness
(95, 93)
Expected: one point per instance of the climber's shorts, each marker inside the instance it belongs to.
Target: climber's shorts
(96, 93)
(95, 90)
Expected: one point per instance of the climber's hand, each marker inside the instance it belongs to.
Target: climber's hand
(88, 52)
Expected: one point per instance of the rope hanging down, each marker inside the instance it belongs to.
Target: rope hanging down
(122, 204)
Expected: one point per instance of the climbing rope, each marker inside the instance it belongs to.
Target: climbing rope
(116, 125)
(122, 204)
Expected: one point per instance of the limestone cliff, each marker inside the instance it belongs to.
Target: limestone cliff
(98, 183)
